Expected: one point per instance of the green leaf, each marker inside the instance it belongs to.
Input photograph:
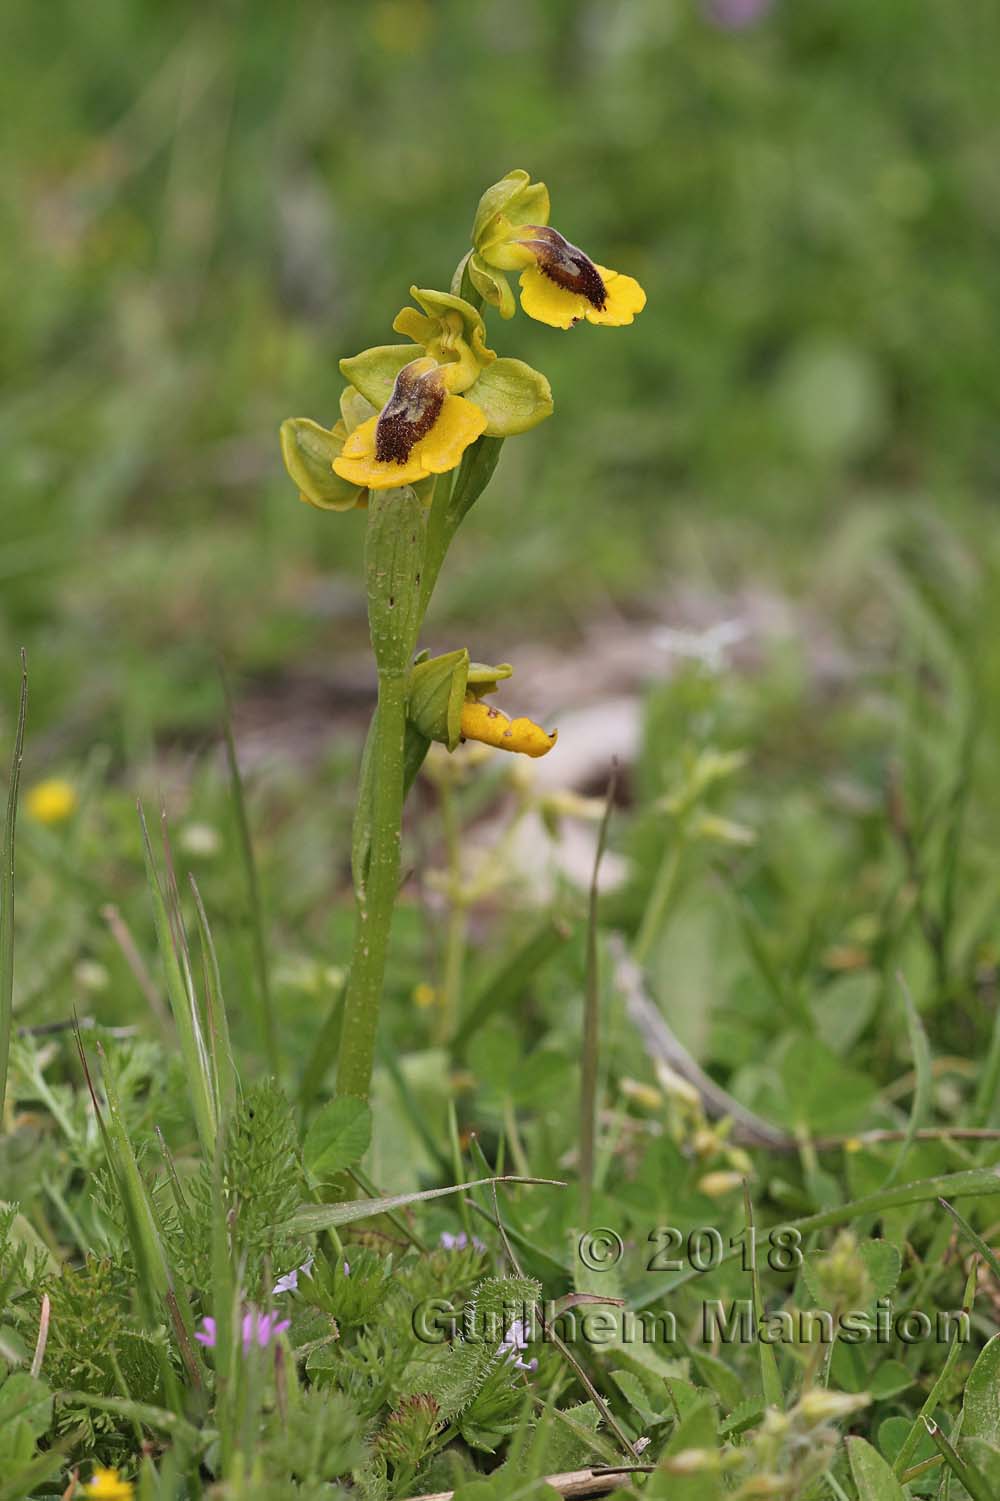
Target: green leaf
(696, 1431)
(872, 1476)
(889, 1380)
(24, 1398)
(884, 1263)
(981, 1406)
(822, 1093)
(338, 1137)
(313, 1217)
(637, 1398)
(922, 1092)
(514, 397)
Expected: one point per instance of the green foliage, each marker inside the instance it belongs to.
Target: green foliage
(263, 1184)
(318, 1439)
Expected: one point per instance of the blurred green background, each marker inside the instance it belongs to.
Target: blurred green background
(204, 207)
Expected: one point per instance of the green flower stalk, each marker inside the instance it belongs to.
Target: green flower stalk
(418, 437)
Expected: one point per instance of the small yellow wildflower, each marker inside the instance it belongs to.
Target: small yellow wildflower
(51, 801)
(424, 995)
(107, 1485)
(491, 727)
(421, 430)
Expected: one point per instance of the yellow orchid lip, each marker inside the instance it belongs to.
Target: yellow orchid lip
(421, 430)
(566, 264)
(411, 411)
(491, 726)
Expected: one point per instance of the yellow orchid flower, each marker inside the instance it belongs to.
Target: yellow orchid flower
(491, 726)
(560, 284)
(513, 397)
(421, 430)
(108, 1487)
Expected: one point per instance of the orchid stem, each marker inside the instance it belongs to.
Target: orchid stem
(377, 899)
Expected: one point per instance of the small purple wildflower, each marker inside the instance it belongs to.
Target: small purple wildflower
(460, 1241)
(290, 1281)
(736, 15)
(514, 1341)
(257, 1329)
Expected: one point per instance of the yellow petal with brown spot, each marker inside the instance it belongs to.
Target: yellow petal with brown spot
(545, 301)
(625, 298)
(358, 463)
(458, 424)
(492, 727)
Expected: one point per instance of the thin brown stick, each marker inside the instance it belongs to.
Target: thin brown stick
(122, 935)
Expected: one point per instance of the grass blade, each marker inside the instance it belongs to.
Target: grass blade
(183, 1005)
(7, 889)
(226, 1078)
(770, 1380)
(592, 1021)
(978, 1488)
(985, 1251)
(312, 1217)
(268, 1031)
(913, 1437)
(924, 1078)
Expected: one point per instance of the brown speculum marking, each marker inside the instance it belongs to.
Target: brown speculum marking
(409, 414)
(566, 265)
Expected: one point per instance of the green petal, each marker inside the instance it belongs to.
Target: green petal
(374, 371)
(308, 451)
(514, 397)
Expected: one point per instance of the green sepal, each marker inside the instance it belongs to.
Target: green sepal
(309, 451)
(394, 560)
(517, 199)
(355, 409)
(439, 686)
(514, 397)
(492, 288)
(373, 372)
(437, 693)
